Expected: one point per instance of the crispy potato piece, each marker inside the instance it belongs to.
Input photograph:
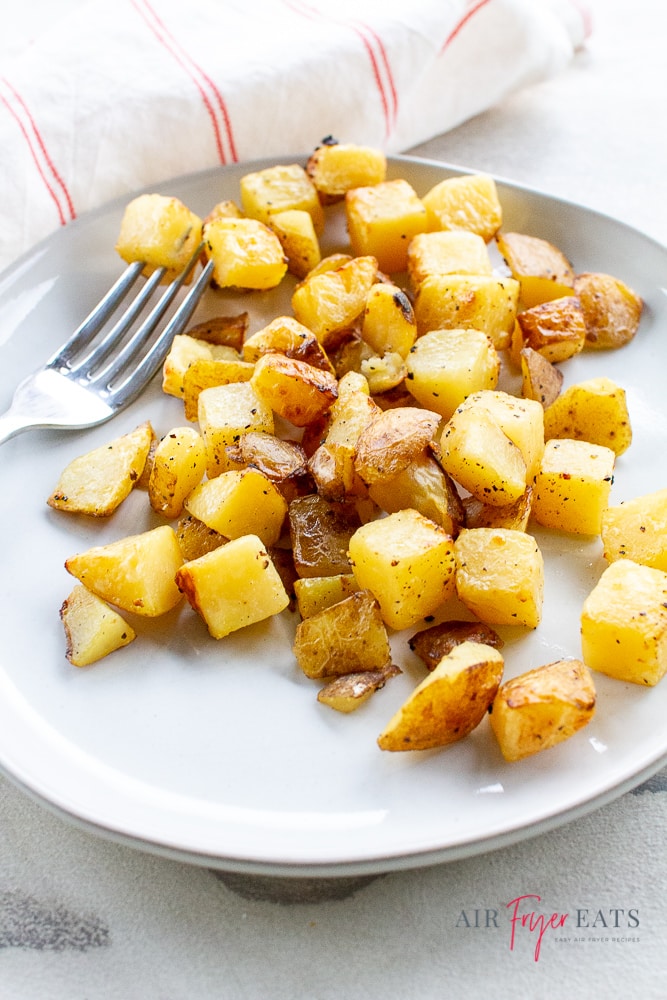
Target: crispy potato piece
(92, 628)
(573, 485)
(351, 691)
(225, 413)
(469, 202)
(522, 420)
(432, 643)
(345, 638)
(542, 270)
(204, 373)
(336, 167)
(233, 586)
(382, 219)
(449, 703)
(223, 331)
(556, 329)
(280, 188)
(196, 538)
(425, 487)
(392, 440)
(135, 573)
(500, 576)
(637, 529)
(179, 465)
(283, 462)
(160, 231)
(315, 593)
(611, 309)
(479, 456)
(320, 531)
(542, 707)
(624, 623)
(287, 336)
(293, 389)
(463, 301)
(97, 483)
(389, 321)
(595, 410)
(512, 515)
(296, 231)
(329, 301)
(246, 254)
(446, 252)
(445, 366)
(540, 379)
(239, 502)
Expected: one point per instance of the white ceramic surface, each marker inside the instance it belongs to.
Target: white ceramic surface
(218, 752)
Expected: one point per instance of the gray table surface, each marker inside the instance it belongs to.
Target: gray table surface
(82, 917)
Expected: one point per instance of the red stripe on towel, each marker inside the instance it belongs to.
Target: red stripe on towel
(42, 159)
(462, 22)
(211, 97)
(375, 50)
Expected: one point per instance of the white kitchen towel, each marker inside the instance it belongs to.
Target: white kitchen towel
(124, 94)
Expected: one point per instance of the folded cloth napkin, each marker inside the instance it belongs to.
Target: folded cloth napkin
(127, 94)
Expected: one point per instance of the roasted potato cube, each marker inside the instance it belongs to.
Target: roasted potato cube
(97, 483)
(296, 231)
(295, 390)
(572, 486)
(224, 209)
(233, 586)
(315, 593)
(381, 221)
(226, 412)
(624, 623)
(455, 301)
(320, 531)
(637, 529)
(389, 320)
(407, 562)
(522, 420)
(329, 301)
(204, 373)
(280, 188)
(432, 643)
(512, 515)
(449, 703)
(92, 628)
(179, 465)
(595, 410)
(285, 335)
(612, 310)
(246, 253)
(468, 202)
(392, 440)
(135, 573)
(345, 638)
(160, 231)
(283, 462)
(500, 576)
(446, 366)
(183, 351)
(333, 463)
(555, 329)
(222, 331)
(542, 707)
(478, 455)
(425, 487)
(239, 502)
(446, 252)
(196, 538)
(542, 270)
(336, 167)
(540, 379)
(351, 691)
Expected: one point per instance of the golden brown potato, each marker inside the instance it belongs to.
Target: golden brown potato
(226, 331)
(179, 465)
(512, 515)
(97, 483)
(449, 703)
(351, 691)
(611, 309)
(540, 379)
(432, 643)
(92, 628)
(337, 167)
(345, 638)
(392, 440)
(204, 373)
(556, 329)
(542, 270)
(283, 462)
(542, 707)
(293, 389)
(425, 487)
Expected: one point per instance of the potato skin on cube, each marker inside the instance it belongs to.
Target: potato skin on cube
(500, 576)
(135, 573)
(351, 691)
(449, 703)
(624, 623)
(233, 586)
(556, 329)
(92, 628)
(407, 562)
(612, 310)
(97, 483)
(392, 440)
(345, 638)
(542, 707)
(293, 389)
(543, 271)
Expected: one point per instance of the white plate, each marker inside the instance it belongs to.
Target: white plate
(218, 752)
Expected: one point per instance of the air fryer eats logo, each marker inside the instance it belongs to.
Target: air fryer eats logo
(527, 920)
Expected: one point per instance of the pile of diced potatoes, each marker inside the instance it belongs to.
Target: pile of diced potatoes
(355, 460)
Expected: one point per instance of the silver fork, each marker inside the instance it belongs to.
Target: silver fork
(96, 374)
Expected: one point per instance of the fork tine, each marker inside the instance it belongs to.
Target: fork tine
(137, 375)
